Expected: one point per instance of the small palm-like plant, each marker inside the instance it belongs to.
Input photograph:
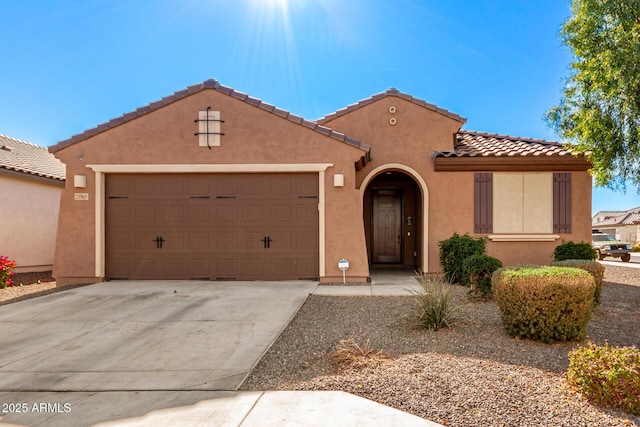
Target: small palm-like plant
(434, 305)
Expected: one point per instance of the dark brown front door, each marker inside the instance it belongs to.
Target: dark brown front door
(212, 226)
(387, 226)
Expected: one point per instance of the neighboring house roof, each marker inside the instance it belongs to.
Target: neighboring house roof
(389, 92)
(209, 84)
(24, 157)
(628, 217)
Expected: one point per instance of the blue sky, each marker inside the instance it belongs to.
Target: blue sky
(67, 66)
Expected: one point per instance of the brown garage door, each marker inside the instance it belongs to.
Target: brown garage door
(212, 226)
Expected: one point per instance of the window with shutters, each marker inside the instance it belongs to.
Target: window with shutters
(522, 203)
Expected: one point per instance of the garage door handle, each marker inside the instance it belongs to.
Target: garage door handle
(158, 241)
(267, 241)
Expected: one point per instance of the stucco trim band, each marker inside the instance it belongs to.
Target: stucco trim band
(510, 164)
(208, 168)
(100, 171)
(523, 237)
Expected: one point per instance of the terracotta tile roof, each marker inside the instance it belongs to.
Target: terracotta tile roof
(209, 84)
(27, 158)
(389, 92)
(480, 144)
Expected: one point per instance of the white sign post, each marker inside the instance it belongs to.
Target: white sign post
(343, 265)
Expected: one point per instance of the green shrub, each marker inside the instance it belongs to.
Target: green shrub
(544, 303)
(477, 271)
(453, 252)
(570, 250)
(433, 306)
(6, 271)
(608, 376)
(635, 248)
(594, 268)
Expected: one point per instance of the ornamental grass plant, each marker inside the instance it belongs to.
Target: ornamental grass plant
(348, 354)
(434, 305)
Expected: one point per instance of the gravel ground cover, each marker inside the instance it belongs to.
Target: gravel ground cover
(27, 286)
(473, 374)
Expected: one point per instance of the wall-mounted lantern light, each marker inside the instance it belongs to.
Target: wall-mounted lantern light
(80, 181)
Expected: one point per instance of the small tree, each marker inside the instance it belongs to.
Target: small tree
(600, 109)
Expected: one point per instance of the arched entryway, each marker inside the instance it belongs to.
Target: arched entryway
(394, 201)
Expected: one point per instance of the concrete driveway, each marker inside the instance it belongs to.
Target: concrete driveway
(146, 336)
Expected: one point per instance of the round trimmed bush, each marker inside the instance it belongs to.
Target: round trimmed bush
(570, 250)
(594, 268)
(477, 271)
(544, 303)
(456, 249)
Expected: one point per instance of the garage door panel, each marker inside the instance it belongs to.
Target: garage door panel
(306, 212)
(253, 212)
(121, 213)
(199, 240)
(225, 240)
(197, 267)
(305, 240)
(173, 241)
(223, 212)
(212, 225)
(121, 240)
(171, 213)
(281, 213)
(144, 212)
(198, 213)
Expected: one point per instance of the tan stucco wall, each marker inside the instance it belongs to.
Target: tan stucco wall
(252, 136)
(29, 218)
(410, 142)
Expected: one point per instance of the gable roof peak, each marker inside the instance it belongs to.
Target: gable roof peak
(215, 85)
(390, 92)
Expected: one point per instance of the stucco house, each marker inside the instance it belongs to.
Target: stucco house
(210, 183)
(624, 225)
(31, 182)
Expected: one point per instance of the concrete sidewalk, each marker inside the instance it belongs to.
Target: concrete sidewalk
(204, 408)
(278, 408)
(383, 283)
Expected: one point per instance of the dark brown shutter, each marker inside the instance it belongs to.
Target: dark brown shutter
(483, 203)
(562, 203)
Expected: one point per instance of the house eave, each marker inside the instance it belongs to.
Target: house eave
(511, 164)
(33, 177)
